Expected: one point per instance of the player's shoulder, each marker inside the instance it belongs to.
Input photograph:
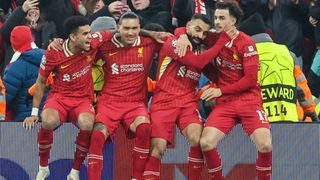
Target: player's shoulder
(244, 38)
(53, 55)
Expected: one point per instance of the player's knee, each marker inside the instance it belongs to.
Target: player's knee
(194, 139)
(264, 146)
(86, 121)
(206, 143)
(50, 122)
(102, 128)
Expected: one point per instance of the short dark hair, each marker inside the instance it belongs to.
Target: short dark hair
(233, 7)
(154, 27)
(202, 17)
(128, 15)
(72, 24)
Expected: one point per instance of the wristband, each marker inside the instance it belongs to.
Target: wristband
(34, 111)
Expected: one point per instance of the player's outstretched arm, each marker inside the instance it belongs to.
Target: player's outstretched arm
(160, 37)
(40, 86)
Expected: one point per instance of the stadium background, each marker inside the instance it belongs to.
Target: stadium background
(296, 154)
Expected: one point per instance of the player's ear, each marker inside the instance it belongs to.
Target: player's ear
(72, 36)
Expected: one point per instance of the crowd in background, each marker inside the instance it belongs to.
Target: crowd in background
(294, 23)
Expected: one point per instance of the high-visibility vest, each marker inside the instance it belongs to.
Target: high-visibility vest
(2, 100)
(277, 82)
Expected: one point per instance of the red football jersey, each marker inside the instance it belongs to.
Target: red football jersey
(72, 72)
(237, 66)
(126, 69)
(176, 82)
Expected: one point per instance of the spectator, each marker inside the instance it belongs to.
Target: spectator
(92, 6)
(314, 74)
(22, 73)
(286, 18)
(58, 11)
(30, 15)
(183, 10)
(114, 9)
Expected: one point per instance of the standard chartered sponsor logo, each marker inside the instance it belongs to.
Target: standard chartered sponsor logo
(193, 75)
(182, 71)
(126, 68)
(224, 63)
(82, 72)
(114, 68)
(131, 67)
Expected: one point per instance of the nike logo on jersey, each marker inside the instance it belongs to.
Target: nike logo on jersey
(64, 66)
(113, 53)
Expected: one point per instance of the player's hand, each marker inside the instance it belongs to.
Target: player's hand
(56, 44)
(29, 4)
(200, 91)
(30, 122)
(210, 94)
(160, 37)
(182, 45)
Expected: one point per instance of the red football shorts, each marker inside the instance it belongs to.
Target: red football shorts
(163, 121)
(113, 114)
(68, 108)
(249, 113)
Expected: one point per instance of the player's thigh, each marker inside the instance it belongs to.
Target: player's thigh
(136, 113)
(163, 123)
(190, 125)
(109, 115)
(223, 117)
(252, 116)
(84, 115)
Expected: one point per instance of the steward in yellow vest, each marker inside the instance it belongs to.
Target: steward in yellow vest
(281, 80)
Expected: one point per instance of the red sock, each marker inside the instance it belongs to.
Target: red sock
(141, 150)
(214, 164)
(152, 170)
(195, 161)
(45, 140)
(263, 165)
(95, 157)
(82, 148)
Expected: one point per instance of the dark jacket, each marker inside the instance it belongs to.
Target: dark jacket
(18, 78)
(286, 21)
(315, 13)
(41, 37)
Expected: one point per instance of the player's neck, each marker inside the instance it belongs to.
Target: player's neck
(72, 47)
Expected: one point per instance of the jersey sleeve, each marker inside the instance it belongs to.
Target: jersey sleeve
(100, 37)
(48, 62)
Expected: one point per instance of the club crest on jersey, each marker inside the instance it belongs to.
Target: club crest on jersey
(140, 52)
